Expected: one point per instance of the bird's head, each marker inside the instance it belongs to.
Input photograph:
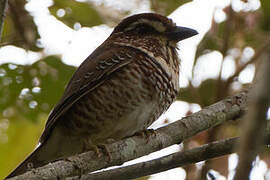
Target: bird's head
(146, 26)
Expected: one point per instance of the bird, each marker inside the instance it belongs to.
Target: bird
(120, 89)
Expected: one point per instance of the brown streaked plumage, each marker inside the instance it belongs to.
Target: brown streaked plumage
(120, 89)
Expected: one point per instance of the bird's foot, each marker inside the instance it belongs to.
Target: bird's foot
(99, 149)
(92, 147)
(89, 146)
(146, 133)
(110, 141)
(104, 146)
(106, 150)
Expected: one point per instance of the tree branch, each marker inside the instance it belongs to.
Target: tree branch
(178, 159)
(3, 7)
(255, 123)
(134, 147)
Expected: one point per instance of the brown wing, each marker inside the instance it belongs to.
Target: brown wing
(92, 72)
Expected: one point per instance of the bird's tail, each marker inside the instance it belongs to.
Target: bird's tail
(32, 161)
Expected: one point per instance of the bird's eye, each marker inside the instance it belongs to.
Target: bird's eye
(144, 29)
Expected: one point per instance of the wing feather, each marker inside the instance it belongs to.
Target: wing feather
(96, 69)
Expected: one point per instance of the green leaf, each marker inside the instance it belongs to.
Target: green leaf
(75, 11)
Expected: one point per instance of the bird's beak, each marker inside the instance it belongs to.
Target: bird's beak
(181, 33)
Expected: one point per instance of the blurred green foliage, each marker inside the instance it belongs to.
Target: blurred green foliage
(17, 141)
(28, 93)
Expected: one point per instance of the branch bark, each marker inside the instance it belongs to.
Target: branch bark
(134, 147)
(255, 123)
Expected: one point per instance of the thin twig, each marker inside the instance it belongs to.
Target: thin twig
(3, 7)
(221, 93)
(257, 55)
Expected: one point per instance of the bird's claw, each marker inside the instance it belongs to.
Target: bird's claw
(96, 148)
(106, 150)
(146, 134)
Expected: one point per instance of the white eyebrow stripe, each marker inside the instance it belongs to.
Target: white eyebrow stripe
(158, 26)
